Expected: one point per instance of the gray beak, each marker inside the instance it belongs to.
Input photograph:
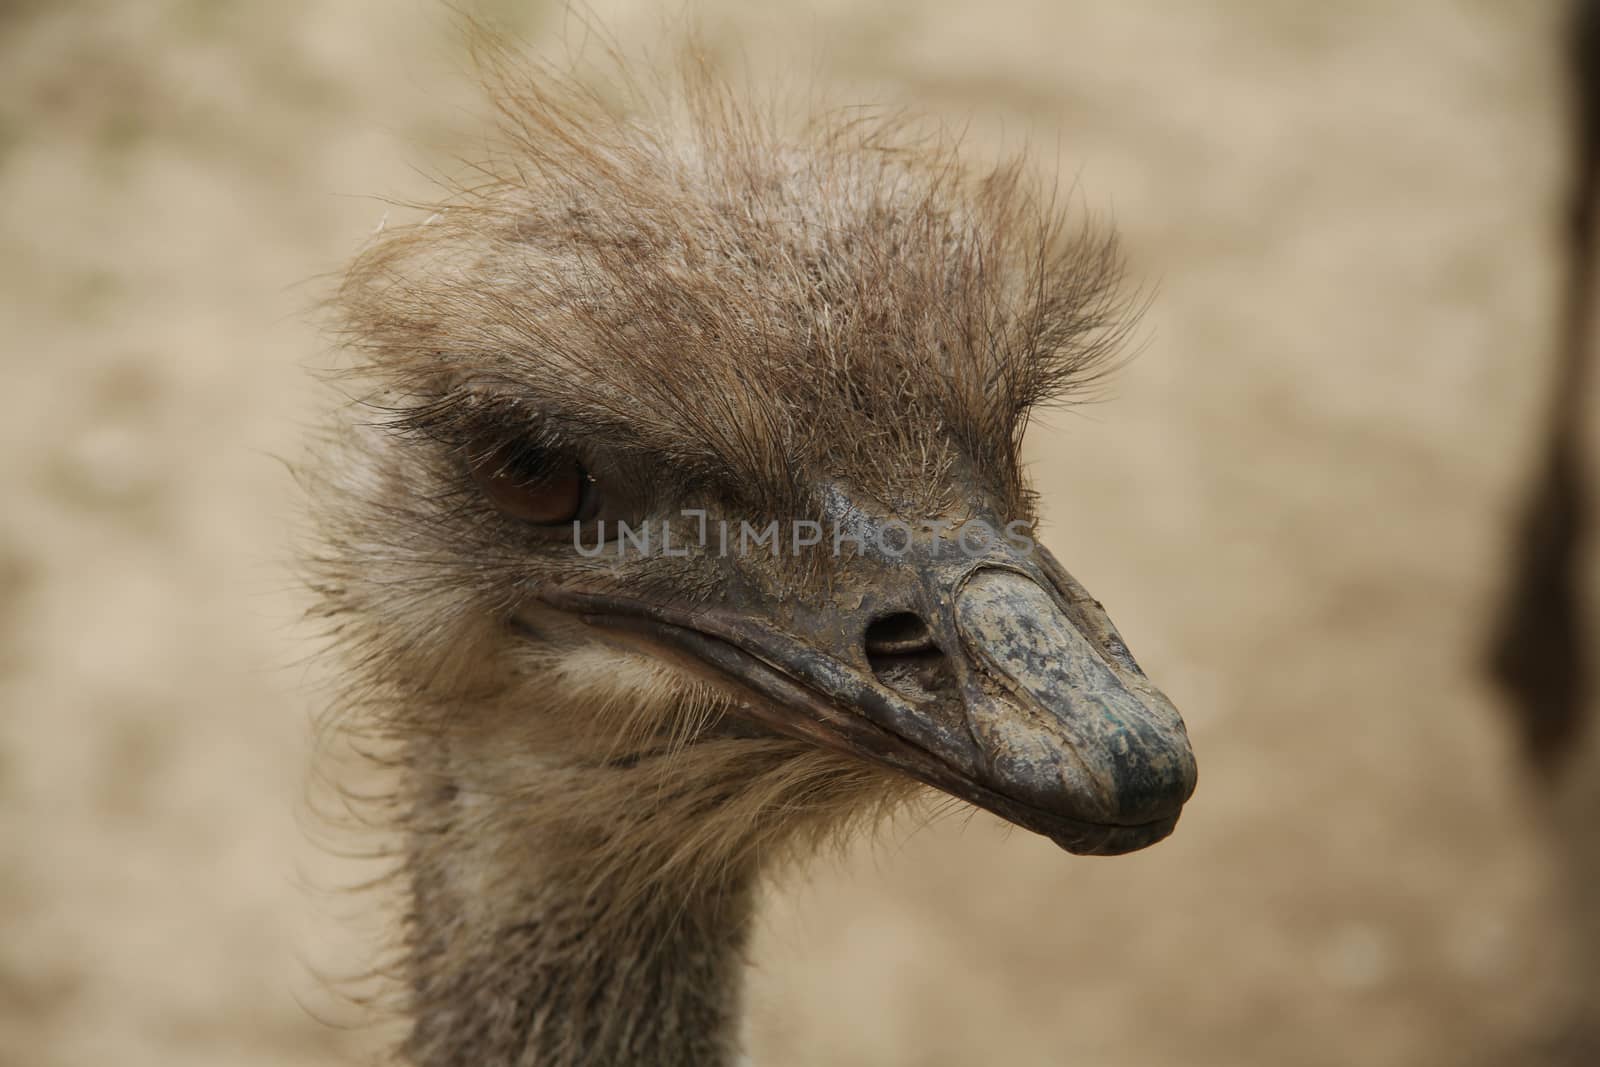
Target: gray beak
(1057, 726)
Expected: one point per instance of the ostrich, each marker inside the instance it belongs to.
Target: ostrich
(1541, 651)
(677, 524)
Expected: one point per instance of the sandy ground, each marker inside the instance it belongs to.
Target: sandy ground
(1294, 505)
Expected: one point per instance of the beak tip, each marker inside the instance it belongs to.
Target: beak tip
(1115, 840)
(1160, 787)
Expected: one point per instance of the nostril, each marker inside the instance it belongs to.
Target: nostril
(897, 635)
(903, 656)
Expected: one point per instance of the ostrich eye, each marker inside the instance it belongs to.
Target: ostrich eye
(532, 487)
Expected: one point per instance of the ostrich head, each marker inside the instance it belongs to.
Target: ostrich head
(681, 509)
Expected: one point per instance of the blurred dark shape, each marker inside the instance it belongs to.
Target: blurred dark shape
(1538, 655)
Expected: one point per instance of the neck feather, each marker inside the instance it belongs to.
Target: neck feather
(565, 911)
(528, 944)
(578, 904)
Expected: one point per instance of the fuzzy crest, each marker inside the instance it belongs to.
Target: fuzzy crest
(672, 275)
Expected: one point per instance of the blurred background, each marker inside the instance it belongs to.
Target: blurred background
(1296, 504)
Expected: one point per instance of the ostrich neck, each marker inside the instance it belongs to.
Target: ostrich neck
(516, 953)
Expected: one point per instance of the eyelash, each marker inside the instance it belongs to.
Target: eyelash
(529, 462)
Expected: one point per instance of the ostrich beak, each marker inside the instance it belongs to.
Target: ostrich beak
(1063, 719)
(999, 681)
